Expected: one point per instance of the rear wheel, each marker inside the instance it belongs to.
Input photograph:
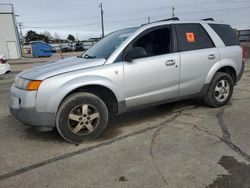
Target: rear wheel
(81, 117)
(220, 90)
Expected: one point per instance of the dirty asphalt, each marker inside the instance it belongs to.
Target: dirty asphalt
(183, 144)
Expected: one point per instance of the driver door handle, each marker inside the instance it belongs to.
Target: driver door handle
(170, 62)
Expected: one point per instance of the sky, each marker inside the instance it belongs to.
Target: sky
(82, 17)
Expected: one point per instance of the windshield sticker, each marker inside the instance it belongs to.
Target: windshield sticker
(190, 37)
(125, 35)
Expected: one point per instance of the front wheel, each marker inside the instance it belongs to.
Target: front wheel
(220, 90)
(81, 117)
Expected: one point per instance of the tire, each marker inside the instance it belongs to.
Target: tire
(220, 90)
(81, 117)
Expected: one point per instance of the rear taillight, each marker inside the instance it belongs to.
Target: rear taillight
(2, 61)
(243, 54)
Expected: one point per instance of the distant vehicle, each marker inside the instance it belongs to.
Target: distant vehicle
(79, 46)
(66, 48)
(4, 66)
(156, 63)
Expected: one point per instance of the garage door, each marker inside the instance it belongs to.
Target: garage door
(12, 50)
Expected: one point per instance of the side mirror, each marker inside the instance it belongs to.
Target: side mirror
(135, 53)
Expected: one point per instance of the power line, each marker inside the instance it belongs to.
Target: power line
(129, 12)
(219, 11)
(164, 7)
(216, 10)
(64, 26)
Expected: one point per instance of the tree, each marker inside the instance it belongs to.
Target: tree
(48, 34)
(56, 38)
(71, 38)
(34, 36)
(31, 36)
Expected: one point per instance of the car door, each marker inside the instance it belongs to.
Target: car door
(198, 55)
(155, 77)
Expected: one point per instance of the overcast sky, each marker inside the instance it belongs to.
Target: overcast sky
(82, 17)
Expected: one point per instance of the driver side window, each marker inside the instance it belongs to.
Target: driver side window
(156, 42)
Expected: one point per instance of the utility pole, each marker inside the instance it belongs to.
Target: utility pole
(149, 19)
(173, 15)
(102, 19)
(21, 31)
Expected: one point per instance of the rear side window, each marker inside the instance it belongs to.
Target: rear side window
(193, 37)
(226, 33)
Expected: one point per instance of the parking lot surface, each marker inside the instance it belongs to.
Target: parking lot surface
(182, 144)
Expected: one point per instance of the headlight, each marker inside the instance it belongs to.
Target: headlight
(29, 85)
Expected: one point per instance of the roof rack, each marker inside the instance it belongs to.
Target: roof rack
(168, 19)
(208, 19)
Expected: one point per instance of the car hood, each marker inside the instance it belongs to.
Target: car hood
(46, 70)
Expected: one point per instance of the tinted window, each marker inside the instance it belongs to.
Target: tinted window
(192, 37)
(156, 42)
(226, 33)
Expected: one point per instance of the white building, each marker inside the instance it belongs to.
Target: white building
(9, 37)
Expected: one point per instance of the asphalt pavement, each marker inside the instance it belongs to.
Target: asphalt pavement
(182, 144)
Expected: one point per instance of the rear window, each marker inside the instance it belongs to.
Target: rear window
(193, 37)
(226, 33)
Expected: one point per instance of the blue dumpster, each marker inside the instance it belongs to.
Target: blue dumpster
(41, 49)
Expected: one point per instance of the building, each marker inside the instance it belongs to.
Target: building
(9, 37)
(244, 35)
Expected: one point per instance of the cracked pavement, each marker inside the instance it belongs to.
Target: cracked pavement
(183, 144)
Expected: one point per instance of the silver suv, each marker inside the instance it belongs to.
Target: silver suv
(152, 64)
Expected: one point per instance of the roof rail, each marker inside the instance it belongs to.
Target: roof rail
(208, 19)
(168, 19)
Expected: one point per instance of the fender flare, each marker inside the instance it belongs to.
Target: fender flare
(53, 101)
(217, 66)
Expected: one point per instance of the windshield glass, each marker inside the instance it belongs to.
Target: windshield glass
(105, 47)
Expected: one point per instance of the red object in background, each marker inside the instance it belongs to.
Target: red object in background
(28, 50)
(243, 54)
(3, 59)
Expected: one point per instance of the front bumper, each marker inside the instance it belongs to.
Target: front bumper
(23, 107)
(31, 117)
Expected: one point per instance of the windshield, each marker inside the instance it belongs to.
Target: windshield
(105, 47)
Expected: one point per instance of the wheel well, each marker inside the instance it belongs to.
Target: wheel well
(229, 70)
(103, 93)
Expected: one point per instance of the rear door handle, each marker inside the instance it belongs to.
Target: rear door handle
(211, 56)
(170, 62)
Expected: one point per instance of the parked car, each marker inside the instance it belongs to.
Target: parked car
(79, 47)
(4, 66)
(156, 63)
(66, 48)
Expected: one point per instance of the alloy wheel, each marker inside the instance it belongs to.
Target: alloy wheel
(83, 119)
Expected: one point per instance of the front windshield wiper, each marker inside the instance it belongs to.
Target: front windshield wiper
(86, 56)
